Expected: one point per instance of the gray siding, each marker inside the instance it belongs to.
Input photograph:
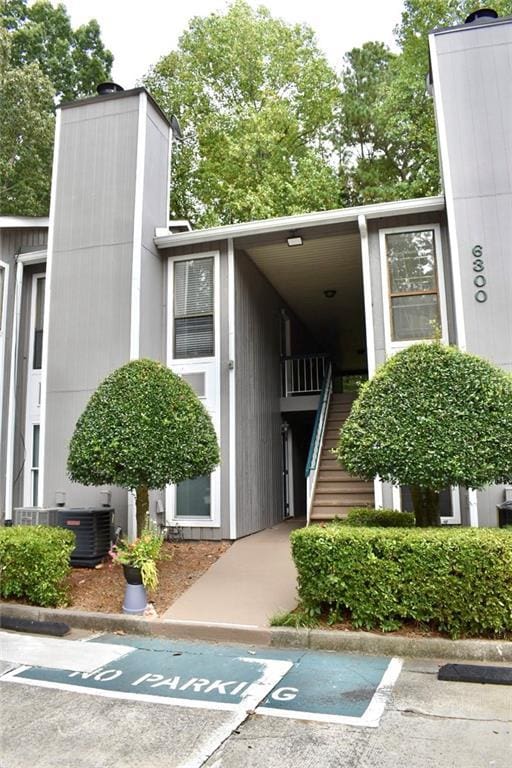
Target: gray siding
(11, 242)
(473, 97)
(95, 231)
(257, 368)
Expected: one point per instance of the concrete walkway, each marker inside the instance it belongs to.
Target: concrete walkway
(252, 581)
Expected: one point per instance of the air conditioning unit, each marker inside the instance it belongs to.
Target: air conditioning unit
(36, 516)
(92, 528)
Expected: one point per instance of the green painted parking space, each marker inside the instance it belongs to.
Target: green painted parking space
(324, 686)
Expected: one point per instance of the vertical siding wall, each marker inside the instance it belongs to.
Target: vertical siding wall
(11, 242)
(98, 227)
(472, 69)
(257, 369)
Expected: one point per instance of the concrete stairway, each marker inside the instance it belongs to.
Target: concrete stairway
(336, 491)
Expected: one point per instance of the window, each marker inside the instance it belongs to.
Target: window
(193, 309)
(2, 285)
(38, 324)
(413, 284)
(35, 465)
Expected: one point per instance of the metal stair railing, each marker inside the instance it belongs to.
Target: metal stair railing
(317, 439)
(303, 374)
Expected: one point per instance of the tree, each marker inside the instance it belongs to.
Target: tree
(255, 99)
(387, 117)
(26, 137)
(74, 60)
(142, 429)
(431, 417)
(42, 60)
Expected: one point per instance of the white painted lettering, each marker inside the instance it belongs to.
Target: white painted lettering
(285, 694)
(238, 689)
(170, 682)
(85, 675)
(108, 674)
(149, 678)
(219, 686)
(195, 683)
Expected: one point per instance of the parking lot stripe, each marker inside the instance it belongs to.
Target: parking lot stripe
(369, 719)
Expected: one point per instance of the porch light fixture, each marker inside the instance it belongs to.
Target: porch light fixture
(330, 293)
(294, 239)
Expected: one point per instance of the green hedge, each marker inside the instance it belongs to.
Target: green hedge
(458, 581)
(380, 518)
(34, 564)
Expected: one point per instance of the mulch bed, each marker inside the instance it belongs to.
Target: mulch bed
(102, 588)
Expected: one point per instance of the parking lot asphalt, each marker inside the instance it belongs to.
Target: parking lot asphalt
(238, 706)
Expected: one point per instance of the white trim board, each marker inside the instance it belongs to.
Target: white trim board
(250, 228)
(185, 365)
(232, 389)
(395, 346)
(47, 303)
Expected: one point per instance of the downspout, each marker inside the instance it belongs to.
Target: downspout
(368, 319)
(13, 380)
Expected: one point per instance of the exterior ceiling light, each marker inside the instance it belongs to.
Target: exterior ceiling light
(294, 239)
(330, 293)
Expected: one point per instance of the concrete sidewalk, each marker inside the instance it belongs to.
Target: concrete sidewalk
(252, 581)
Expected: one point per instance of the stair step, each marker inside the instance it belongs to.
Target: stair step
(333, 475)
(342, 500)
(343, 397)
(327, 514)
(343, 486)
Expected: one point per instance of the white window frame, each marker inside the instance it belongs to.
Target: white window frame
(3, 321)
(394, 346)
(179, 365)
(33, 406)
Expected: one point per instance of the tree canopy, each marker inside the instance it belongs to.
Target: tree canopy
(432, 417)
(143, 428)
(42, 60)
(255, 99)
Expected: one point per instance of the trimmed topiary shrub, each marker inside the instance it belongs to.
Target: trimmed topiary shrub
(143, 428)
(458, 581)
(34, 564)
(431, 417)
(379, 518)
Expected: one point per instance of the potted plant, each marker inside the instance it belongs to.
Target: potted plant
(139, 560)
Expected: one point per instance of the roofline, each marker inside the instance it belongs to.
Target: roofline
(318, 219)
(115, 95)
(474, 25)
(18, 222)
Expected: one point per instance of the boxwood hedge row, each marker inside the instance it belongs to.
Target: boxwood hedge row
(34, 564)
(456, 580)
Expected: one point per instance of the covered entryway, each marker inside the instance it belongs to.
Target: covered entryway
(317, 273)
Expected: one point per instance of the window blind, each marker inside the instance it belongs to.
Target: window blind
(193, 308)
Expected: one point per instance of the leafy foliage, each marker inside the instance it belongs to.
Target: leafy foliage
(379, 518)
(142, 553)
(42, 59)
(26, 136)
(458, 581)
(75, 61)
(432, 416)
(255, 99)
(143, 428)
(34, 564)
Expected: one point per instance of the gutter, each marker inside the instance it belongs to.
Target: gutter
(318, 219)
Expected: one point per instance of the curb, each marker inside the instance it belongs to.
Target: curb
(276, 637)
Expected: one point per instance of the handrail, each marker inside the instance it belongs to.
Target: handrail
(303, 374)
(317, 438)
